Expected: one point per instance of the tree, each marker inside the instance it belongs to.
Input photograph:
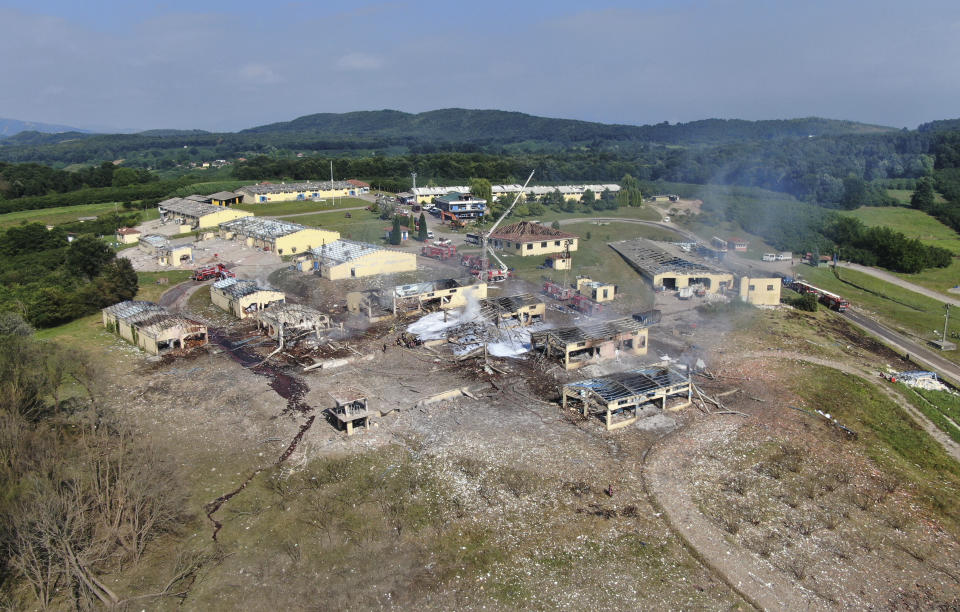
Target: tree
(555, 225)
(854, 193)
(589, 198)
(422, 231)
(481, 188)
(923, 196)
(87, 256)
(395, 235)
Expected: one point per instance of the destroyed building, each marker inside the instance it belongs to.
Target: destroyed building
(529, 238)
(165, 252)
(192, 214)
(152, 327)
(595, 290)
(281, 237)
(243, 298)
(582, 345)
(287, 322)
(669, 271)
(350, 409)
(522, 309)
(617, 398)
(351, 259)
(436, 295)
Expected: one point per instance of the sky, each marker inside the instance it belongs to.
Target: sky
(227, 65)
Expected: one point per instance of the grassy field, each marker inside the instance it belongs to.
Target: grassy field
(363, 225)
(294, 207)
(903, 195)
(913, 223)
(66, 214)
(902, 309)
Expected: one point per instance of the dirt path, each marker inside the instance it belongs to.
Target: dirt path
(665, 466)
(951, 447)
(896, 280)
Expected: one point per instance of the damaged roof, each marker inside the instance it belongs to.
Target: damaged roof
(263, 228)
(189, 207)
(509, 304)
(296, 316)
(527, 231)
(596, 331)
(150, 319)
(648, 257)
(632, 383)
(238, 288)
(343, 250)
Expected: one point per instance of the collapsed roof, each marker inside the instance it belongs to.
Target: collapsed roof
(527, 231)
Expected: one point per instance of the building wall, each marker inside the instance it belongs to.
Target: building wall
(304, 240)
(383, 262)
(221, 216)
(128, 238)
(683, 280)
(175, 254)
(538, 248)
(760, 291)
(457, 296)
(238, 307)
(266, 198)
(600, 293)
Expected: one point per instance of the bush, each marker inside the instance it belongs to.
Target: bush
(807, 302)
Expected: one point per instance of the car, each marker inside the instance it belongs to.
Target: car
(430, 234)
(666, 219)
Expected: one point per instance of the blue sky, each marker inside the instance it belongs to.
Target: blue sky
(222, 65)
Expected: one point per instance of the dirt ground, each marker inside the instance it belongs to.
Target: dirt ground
(532, 506)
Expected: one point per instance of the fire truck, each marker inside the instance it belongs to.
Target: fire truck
(585, 305)
(439, 249)
(830, 300)
(557, 291)
(216, 271)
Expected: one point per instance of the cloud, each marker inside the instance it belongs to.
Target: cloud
(259, 73)
(359, 61)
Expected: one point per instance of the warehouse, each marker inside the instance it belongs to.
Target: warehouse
(307, 190)
(760, 291)
(425, 195)
(351, 259)
(152, 327)
(281, 237)
(439, 294)
(528, 238)
(579, 346)
(669, 271)
(243, 298)
(191, 214)
(617, 398)
(522, 309)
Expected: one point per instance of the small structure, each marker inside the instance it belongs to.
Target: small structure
(522, 309)
(351, 259)
(152, 327)
(281, 237)
(350, 409)
(666, 270)
(529, 238)
(617, 398)
(738, 244)
(285, 322)
(167, 254)
(225, 198)
(404, 233)
(127, 235)
(441, 294)
(559, 261)
(579, 346)
(719, 244)
(243, 298)
(760, 291)
(595, 290)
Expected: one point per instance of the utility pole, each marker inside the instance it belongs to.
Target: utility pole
(414, 189)
(946, 322)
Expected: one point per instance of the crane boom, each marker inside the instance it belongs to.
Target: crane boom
(486, 237)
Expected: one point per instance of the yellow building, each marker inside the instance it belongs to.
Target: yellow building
(595, 290)
(575, 347)
(167, 254)
(127, 235)
(351, 259)
(559, 261)
(281, 237)
(152, 328)
(307, 190)
(760, 291)
(225, 198)
(243, 298)
(440, 294)
(528, 238)
(522, 309)
(197, 215)
(668, 270)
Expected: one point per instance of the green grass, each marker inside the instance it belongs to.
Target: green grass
(889, 437)
(294, 207)
(363, 225)
(937, 279)
(912, 223)
(59, 215)
(903, 195)
(896, 307)
(151, 291)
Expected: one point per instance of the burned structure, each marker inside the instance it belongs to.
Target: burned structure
(619, 397)
(152, 327)
(344, 258)
(350, 409)
(243, 298)
(436, 295)
(670, 271)
(288, 322)
(522, 309)
(578, 346)
(280, 237)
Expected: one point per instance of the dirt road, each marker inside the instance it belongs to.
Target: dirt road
(896, 280)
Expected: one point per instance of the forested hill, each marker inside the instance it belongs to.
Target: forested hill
(9, 127)
(489, 126)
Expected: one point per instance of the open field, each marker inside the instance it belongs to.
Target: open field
(912, 223)
(67, 214)
(903, 195)
(937, 279)
(294, 207)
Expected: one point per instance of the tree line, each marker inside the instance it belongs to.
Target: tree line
(31, 179)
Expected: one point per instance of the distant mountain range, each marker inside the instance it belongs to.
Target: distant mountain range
(10, 127)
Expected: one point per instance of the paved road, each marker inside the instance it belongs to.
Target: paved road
(896, 280)
(918, 353)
